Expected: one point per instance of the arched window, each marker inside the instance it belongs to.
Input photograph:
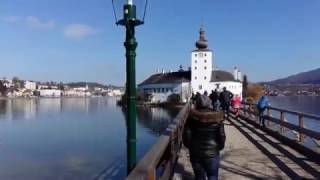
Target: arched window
(195, 68)
(205, 61)
(205, 67)
(195, 78)
(195, 61)
(205, 77)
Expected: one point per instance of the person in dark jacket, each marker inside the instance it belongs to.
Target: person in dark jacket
(225, 100)
(214, 96)
(204, 137)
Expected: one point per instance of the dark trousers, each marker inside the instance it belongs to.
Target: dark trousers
(226, 108)
(206, 168)
(261, 119)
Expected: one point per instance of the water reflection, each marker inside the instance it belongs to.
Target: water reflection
(155, 119)
(71, 138)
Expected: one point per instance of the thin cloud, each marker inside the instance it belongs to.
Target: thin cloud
(35, 23)
(78, 31)
(10, 19)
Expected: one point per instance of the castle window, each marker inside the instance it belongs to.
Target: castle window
(205, 61)
(205, 77)
(195, 68)
(195, 77)
(200, 87)
(201, 54)
(195, 55)
(205, 54)
(205, 67)
(195, 61)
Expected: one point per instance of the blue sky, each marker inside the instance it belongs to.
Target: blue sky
(73, 40)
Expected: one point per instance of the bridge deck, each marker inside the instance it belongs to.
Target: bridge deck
(252, 154)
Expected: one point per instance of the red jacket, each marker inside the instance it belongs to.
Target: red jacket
(236, 101)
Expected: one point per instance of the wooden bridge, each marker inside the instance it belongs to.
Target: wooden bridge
(282, 150)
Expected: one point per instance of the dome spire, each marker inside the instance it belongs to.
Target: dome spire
(202, 43)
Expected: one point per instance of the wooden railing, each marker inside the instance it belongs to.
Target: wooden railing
(159, 162)
(249, 111)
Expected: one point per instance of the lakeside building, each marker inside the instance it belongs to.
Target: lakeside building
(201, 77)
(30, 85)
(50, 93)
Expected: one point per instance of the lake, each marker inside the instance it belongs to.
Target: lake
(306, 104)
(71, 138)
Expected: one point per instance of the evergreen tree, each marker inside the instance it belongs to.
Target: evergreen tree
(3, 88)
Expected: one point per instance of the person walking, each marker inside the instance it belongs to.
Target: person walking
(236, 101)
(204, 136)
(214, 96)
(225, 101)
(261, 106)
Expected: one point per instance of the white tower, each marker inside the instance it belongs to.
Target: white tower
(201, 65)
(235, 73)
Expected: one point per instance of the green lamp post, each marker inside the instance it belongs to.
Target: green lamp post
(130, 21)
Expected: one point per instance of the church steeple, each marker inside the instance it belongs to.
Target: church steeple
(202, 43)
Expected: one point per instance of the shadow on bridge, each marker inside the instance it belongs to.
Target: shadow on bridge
(284, 159)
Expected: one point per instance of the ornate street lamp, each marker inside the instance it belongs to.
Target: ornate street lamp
(129, 21)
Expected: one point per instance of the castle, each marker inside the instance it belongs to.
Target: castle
(201, 77)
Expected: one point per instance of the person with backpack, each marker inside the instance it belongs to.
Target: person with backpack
(261, 106)
(225, 101)
(205, 137)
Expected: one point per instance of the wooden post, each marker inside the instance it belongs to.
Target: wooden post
(269, 115)
(301, 125)
(152, 174)
(281, 121)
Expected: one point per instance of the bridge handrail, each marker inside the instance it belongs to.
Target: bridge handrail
(164, 153)
(307, 115)
(300, 128)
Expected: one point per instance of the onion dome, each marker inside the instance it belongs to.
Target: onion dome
(202, 43)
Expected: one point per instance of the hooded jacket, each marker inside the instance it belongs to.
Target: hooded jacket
(204, 134)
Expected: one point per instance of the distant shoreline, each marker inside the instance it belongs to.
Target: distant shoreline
(62, 97)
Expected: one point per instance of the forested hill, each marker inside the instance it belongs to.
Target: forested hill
(310, 77)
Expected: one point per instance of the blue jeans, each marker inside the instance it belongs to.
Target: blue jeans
(206, 167)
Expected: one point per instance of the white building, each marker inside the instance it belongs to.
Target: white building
(201, 77)
(50, 93)
(30, 85)
(160, 86)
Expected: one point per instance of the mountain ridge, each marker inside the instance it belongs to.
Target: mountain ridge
(308, 77)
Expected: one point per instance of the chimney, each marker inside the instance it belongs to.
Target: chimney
(235, 73)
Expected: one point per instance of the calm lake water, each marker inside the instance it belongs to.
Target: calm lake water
(71, 138)
(306, 104)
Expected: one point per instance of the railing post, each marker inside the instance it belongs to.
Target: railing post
(152, 174)
(249, 111)
(269, 115)
(301, 125)
(281, 121)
